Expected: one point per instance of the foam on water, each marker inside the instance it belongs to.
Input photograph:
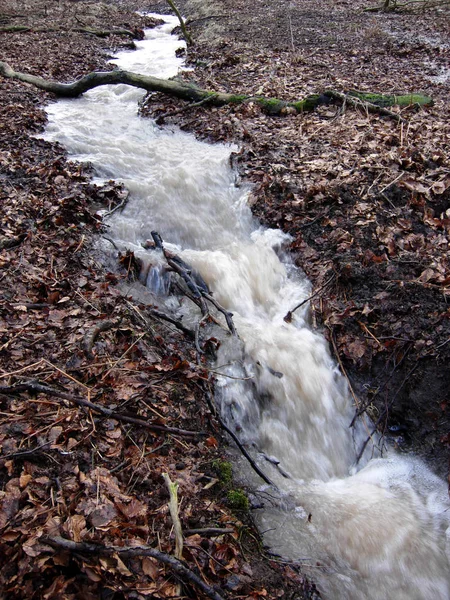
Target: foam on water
(378, 529)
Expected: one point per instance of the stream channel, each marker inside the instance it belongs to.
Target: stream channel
(377, 530)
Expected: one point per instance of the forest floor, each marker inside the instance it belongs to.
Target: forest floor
(365, 200)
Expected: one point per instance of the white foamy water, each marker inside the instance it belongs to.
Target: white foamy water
(378, 530)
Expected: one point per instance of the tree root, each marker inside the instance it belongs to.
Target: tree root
(130, 552)
(375, 103)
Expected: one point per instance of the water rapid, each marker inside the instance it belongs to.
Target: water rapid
(377, 530)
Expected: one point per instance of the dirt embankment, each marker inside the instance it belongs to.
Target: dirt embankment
(365, 199)
(68, 336)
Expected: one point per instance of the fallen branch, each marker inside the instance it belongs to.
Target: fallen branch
(198, 289)
(14, 29)
(177, 323)
(91, 336)
(385, 412)
(130, 552)
(361, 101)
(186, 34)
(209, 531)
(103, 33)
(288, 316)
(394, 5)
(35, 387)
(236, 440)
(185, 91)
(160, 120)
(12, 242)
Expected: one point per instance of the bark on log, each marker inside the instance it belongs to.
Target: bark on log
(185, 91)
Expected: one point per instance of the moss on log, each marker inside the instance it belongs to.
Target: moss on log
(392, 100)
(185, 91)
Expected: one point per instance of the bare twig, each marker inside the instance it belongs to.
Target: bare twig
(39, 388)
(385, 412)
(288, 316)
(130, 552)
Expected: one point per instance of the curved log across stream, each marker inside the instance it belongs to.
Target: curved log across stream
(372, 102)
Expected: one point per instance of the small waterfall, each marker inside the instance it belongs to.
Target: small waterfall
(376, 530)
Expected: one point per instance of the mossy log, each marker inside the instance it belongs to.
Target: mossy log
(14, 29)
(186, 91)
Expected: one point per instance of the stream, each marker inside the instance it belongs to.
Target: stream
(376, 530)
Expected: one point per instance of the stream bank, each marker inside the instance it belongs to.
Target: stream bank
(366, 201)
(25, 482)
(70, 471)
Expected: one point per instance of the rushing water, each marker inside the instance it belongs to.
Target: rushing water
(378, 530)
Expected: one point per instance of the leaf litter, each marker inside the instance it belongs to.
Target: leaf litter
(363, 199)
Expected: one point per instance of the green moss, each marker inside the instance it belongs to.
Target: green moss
(271, 105)
(306, 105)
(224, 470)
(238, 500)
(391, 100)
(237, 98)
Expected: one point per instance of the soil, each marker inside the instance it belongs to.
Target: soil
(366, 201)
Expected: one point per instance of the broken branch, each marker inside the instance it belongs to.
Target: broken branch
(172, 486)
(35, 387)
(130, 552)
(288, 316)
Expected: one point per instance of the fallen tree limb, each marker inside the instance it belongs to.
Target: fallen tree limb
(376, 103)
(130, 552)
(394, 5)
(14, 29)
(177, 323)
(198, 289)
(103, 33)
(172, 487)
(35, 387)
(92, 335)
(12, 242)
(231, 433)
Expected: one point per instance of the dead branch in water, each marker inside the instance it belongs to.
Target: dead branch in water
(198, 290)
